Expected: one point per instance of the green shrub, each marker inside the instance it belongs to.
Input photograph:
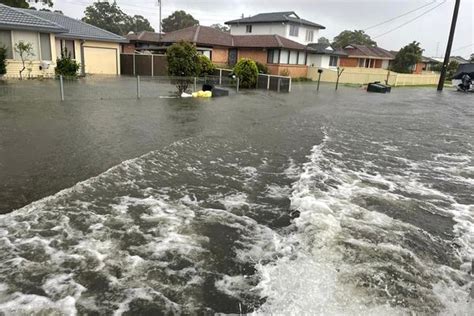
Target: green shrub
(66, 66)
(262, 69)
(247, 71)
(3, 60)
(206, 66)
(285, 72)
(183, 61)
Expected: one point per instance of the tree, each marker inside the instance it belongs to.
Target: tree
(111, 18)
(3, 60)
(353, 37)
(183, 61)
(247, 71)
(323, 40)
(452, 69)
(25, 50)
(222, 28)
(472, 58)
(407, 57)
(178, 20)
(23, 3)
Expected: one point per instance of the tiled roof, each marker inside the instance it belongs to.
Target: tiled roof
(76, 29)
(275, 17)
(144, 36)
(266, 41)
(355, 50)
(325, 49)
(203, 35)
(19, 19)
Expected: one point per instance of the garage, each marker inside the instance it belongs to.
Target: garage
(100, 60)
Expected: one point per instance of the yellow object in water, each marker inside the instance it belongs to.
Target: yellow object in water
(202, 94)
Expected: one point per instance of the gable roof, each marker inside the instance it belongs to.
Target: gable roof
(20, 19)
(325, 49)
(76, 29)
(144, 36)
(355, 50)
(276, 17)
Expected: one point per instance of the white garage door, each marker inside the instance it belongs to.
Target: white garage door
(100, 60)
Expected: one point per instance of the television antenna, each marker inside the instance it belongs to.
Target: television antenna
(158, 3)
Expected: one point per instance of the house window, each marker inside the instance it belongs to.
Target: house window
(309, 35)
(248, 29)
(301, 58)
(45, 43)
(27, 38)
(6, 41)
(293, 57)
(68, 45)
(294, 30)
(333, 61)
(361, 62)
(284, 56)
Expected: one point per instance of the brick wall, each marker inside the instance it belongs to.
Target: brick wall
(419, 68)
(348, 62)
(128, 48)
(220, 56)
(378, 63)
(257, 54)
(294, 71)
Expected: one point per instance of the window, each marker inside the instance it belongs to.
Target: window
(248, 29)
(361, 62)
(294, 30)
(293, 57)
(301, 58)
(68, 45)
(284, 56)
(309, 35)
(27, 37)
(333, 61)
(45, 46)
(6, 41)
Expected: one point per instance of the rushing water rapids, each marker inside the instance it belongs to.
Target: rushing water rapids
(386, 222)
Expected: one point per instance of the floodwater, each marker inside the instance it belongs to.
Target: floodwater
(168, 206)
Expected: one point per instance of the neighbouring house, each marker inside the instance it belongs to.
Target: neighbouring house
(285, 24)
(280, 54)
(97, 50)
(323, 55)
(142, 42)
(426, 64)
(363, 56)
(460, 60)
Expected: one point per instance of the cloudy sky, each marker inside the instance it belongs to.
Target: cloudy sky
(431, 29)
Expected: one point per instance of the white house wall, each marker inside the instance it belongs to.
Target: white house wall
(320, 61)
(260, 29)
(301, 38)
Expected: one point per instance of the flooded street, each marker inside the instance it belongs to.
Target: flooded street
(184, 206)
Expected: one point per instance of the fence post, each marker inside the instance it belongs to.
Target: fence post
(289, 88)
(61, 87)
(268, 82)
(220, 76)
(195, 84)
(134, 67)
(238, 84)
(139, 92)
(152, 65)
(279, 84)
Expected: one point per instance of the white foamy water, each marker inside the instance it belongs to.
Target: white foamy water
(347, 259)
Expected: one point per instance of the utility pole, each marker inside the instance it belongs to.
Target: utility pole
(442, 77)
(159, 5)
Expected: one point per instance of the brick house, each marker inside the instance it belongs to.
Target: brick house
(280, 54)
(366, 57)
(140, 42)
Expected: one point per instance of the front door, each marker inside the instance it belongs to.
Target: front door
(232, 56)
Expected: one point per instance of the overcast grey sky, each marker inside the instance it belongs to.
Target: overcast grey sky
(431, 30)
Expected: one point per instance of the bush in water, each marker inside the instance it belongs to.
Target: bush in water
(206, 66)
(66, 66)
(247, 71)
(183, 61)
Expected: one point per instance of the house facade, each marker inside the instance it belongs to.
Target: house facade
(97, 50)
(322, 55)
(366, 57)
(285, 24)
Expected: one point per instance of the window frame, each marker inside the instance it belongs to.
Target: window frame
(10, 45)
(332, 58)
(49, 46)
(63, 45)
(248, 28)
(309, 35)
(294, 30)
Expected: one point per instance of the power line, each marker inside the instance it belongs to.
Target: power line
(409, 21)
(463, 47)
(399, 16)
